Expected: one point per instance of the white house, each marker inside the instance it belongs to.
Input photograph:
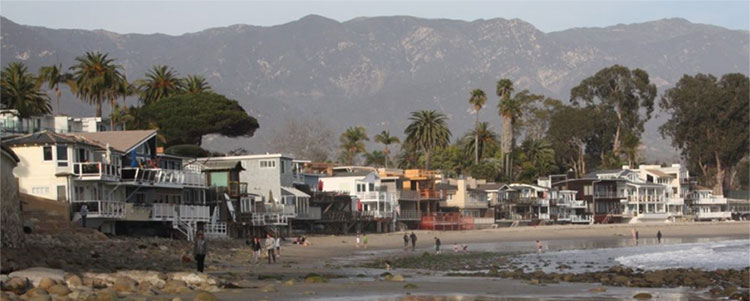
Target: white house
(363, 184)
(705, 206)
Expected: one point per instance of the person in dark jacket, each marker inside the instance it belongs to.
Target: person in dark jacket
(658, 236)
(200, 249)
(437, 245)
(413, 241)
(256, 249)
(406, 241)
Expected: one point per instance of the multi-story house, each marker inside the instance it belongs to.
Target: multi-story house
(675, 177)
(363, 184)
(565, 205)
(271, 181)
(463, 195)
(419, 196)
(117, 176)
(705, 206)
(523, 202)
(11, 124)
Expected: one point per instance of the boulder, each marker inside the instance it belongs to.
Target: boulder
(156, 279)
(59, 290)
(106, 295)
(176, 287)
(36, 274)
(193, 279)
(35, 292)
(125, 284)
(46, 283)
(205, 296)
(642, 296)
(18, 285)
(397, 278)
(268, 289)
(73, 281)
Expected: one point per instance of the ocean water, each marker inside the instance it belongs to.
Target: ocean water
(707, 255)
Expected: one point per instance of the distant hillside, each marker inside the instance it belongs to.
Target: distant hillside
(374, 71)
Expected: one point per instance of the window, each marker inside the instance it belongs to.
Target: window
(62, 155)
(587, 190)
(47, 153)
(267, 164)
(40, 190)
(283, 165)
(372, 187)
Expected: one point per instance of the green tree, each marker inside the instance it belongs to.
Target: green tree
(352, 143)
(485, 141)
(386, 139)
(19, 91)
(185, 118)
(451, 160)
(537, 159)
(709, 123)
(196, 84)
(161, 81)
(96, 76)
(477, 101)
(375, 158)
(508, 110)
(427, 131)
(623, 91)
(570, 130)
(54, 76)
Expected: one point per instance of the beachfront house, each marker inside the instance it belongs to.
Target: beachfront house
(675, 177)
(118, 177)
(463, 195)
(704, 206)
(11, 124)
(523, 202)
(363, 184)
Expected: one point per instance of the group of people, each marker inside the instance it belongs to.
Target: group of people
(412, 238)
(361, 239)
(271, 245)
(634, 234)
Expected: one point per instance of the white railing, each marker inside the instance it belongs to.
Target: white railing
(218, 229)
(713, 215)
(484, 220)
(263, 219)
(608, 194)
(96, 171)
(676, 201)
(543, 216)
(709, 201)
(543, 202)
(410, 215)
(645, 199)
(299, 178)
(165, 212)
(103, 209)
(577, 204)
(170, 212)
(580, 219)
(378, 214)
(654, 215)
(160, 176)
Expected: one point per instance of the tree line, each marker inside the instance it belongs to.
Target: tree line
(601, 127)
(183, 109)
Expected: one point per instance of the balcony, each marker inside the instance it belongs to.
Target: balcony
(96, 171)
(410, 215)
(299, 178)
(172, 212)
(709, 201)
(675, 201)
(163, 177)
(608, 195)
(378, 214)
(416, 174)
(101, 209)
(484, 220)
(646, 199)
(713, 215)
(578, 219)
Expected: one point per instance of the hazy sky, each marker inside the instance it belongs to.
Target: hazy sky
(178, 17)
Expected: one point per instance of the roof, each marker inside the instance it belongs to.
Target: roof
(222, 165)
(250, 157)
(444, 186)
(490, 186)
(295, 192)
(6, 150)
(123, 141)
(359, 173)
(660, 173)
(49, 137)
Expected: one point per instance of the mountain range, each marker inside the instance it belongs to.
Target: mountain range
(374, 71)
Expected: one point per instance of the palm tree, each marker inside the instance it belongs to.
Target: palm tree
(485, 140)
(19, 91)
(428, 131)
(386, 139)
(352, 143)
(162, 81)
(54, 76)
(196, 84)
(375, 158)
(95, 76)
(477, 100)
(541, 153)
(508, 108)
(120, 115)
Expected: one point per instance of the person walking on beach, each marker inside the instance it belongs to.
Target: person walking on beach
(364, 241)
(200, 249)
(270, 246)
(358, 240)
(539, 248)
(406, 241)
(256, 249)
(658, 236)
(413, 238)
(455, 247)
(632, 234)
(84, 212)
(437, 245)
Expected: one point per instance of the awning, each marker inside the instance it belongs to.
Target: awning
(295, 192)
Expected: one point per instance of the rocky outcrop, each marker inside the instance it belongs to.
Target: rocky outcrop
(10, 205)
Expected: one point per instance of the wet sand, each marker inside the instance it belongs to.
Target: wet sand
(338, 257)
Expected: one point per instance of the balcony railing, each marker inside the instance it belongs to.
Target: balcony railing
(410, 215)
(713, 215)
(646, 199)
(299, 178)
(313, 213)
(218, 229)
(580, 219)
(608, 194)
(675, 201)
(379, 214)
(96, 171)
(484, 220)
(158, 176)
(101, 209)
(170, 212)
(710, 201)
